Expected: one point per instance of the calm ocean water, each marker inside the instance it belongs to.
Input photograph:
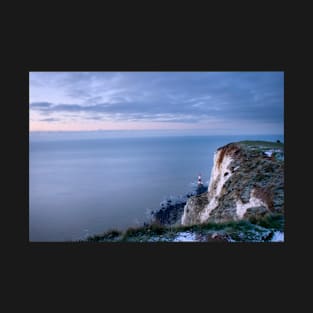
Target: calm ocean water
(83, 187)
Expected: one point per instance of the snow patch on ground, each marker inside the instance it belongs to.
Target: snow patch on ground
(185, 237)
(271, 151)
(278, 236)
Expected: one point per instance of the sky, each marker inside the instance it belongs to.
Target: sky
(206, 102)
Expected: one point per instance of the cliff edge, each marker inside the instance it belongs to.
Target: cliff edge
(247, 182)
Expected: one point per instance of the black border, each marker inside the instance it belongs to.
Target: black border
(220, 265)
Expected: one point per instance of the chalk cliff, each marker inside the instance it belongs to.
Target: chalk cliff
(247, 181)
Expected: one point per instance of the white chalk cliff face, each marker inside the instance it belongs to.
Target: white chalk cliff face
(219, 175)
(254, 202)
(244, 182)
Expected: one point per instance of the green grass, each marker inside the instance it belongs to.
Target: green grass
(236, 229)
(260, 143)
(272, 220)
(109, 235)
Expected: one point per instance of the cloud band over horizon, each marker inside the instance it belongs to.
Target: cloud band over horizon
(218, 102)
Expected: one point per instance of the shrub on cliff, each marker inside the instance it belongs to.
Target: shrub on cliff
(271, 220)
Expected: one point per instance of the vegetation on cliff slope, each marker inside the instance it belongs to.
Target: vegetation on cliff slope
(254, 230)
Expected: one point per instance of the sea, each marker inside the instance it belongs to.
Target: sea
(86, 185)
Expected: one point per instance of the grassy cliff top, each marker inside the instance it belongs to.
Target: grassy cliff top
(259, 144)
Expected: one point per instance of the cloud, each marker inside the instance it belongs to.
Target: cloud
(41, 105)
(50, 119)
(186, 97)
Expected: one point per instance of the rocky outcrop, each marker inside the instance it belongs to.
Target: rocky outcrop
(247, 181)
(171, 211)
